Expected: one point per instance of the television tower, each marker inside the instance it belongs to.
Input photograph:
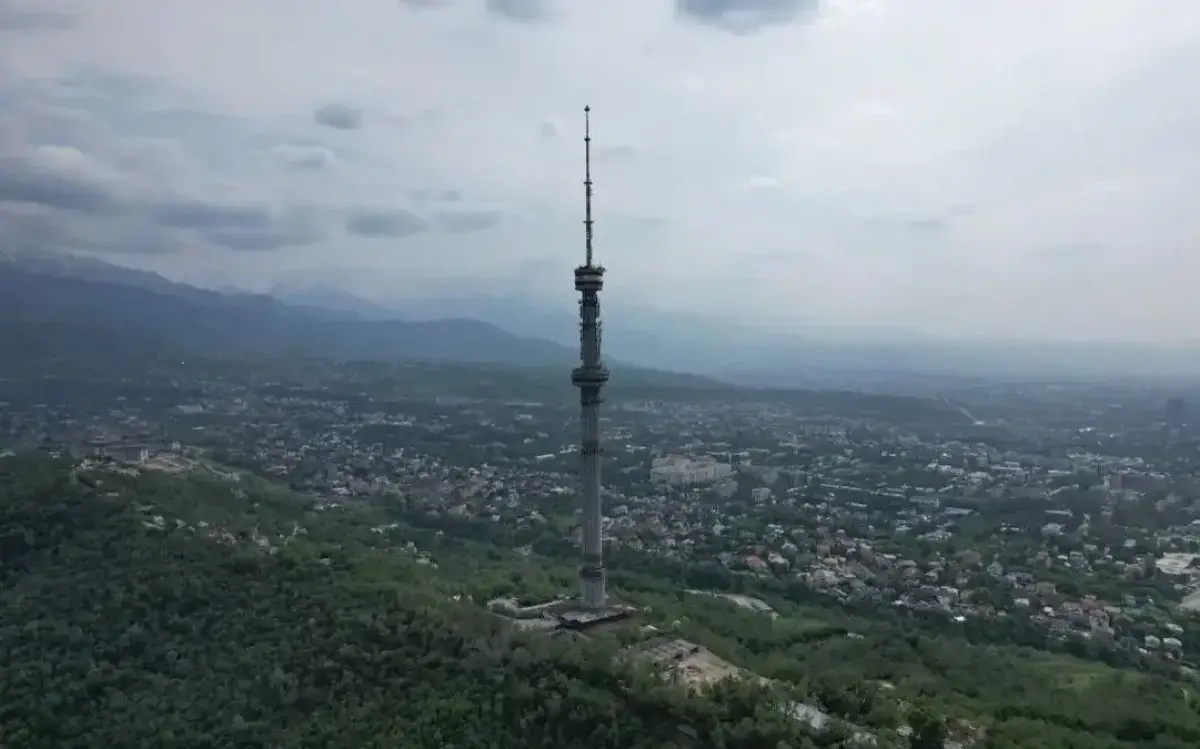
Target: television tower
(590, 377)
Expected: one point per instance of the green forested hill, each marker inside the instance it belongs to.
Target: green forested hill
(159, 611)
(115, 634)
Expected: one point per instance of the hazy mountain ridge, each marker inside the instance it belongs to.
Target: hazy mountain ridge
(103, 326)
(336, 300)
(513, 329)
(55, 305)
(202, 321)
(83, 268)
(649, 338)
(813, 356)
(64, 265)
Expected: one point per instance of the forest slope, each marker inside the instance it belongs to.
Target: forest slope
(116, 632)
(152, 610)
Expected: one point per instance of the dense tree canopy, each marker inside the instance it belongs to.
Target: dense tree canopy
(116, 634)
(159, 611)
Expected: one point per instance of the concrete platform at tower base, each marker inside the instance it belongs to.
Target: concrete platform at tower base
(564, 615)
(588, 619)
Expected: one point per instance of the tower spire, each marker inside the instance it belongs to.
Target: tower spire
(587, 179)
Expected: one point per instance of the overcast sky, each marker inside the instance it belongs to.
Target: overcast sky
(992, 168)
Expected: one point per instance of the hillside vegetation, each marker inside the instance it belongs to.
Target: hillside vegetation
(150, 610)
(116, 632)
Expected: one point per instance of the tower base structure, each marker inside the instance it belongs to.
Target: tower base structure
(592, 584)
(563, 615)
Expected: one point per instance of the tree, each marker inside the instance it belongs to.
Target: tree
(928, 730)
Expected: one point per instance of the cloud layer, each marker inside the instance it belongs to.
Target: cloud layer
(992, 169)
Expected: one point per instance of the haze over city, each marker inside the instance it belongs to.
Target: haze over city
(945, 170)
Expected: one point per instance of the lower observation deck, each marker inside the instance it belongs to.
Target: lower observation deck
(589, 376)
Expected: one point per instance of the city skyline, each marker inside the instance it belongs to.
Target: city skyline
(1007, 172)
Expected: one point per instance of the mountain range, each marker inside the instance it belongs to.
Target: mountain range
(877, 359)
(85, 315)
(41, 292)
(49, 289)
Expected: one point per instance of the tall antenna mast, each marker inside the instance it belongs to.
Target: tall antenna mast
(590, 377)
(587, 181)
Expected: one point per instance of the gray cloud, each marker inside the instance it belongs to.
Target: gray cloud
(547, 130)
(643, 223)
(338, 117)
(1075, 252)
(18, 16)
(22, 180)
(464, 222)
(42, 188)
(292, 232)
(238, 226)
(399, 222)
(616, 153)
(68, 184)
(927, 225)
(395, 223)
(437, 196)
(199, 215)
(307, 157)
(1084, 131)
(744, 16)
(519, 10)
(44, 230)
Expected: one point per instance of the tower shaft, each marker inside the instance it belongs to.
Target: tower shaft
(590, 377)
